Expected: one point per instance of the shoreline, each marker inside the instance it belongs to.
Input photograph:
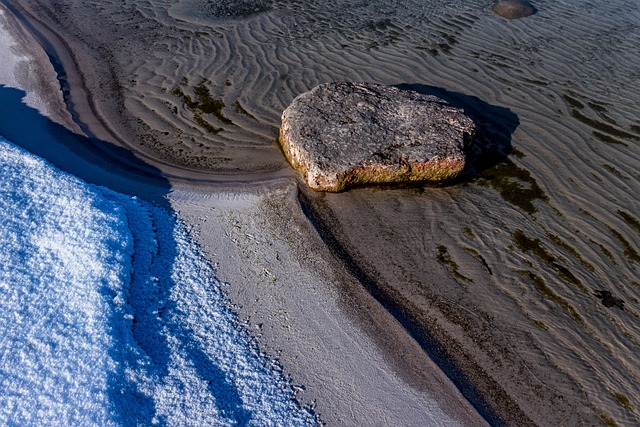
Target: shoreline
(374, 390)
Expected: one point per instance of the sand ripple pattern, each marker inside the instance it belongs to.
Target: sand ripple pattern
(252, 61)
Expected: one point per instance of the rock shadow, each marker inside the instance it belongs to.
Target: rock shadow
(494, 127)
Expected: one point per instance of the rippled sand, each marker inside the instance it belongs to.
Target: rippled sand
(503, 269)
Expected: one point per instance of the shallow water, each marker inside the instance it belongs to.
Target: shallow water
(515, 252)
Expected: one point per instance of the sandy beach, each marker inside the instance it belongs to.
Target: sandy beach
(482, 302)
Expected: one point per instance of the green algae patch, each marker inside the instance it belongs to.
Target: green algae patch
(615, 171)
(606, 252)
(203, 103)
(205, 124)
(193, 106)
(602, 127)
(624, 402)
(240, 110)
(597, 107)
(631, 220)
(574, 103)
(479, 257)
(540, 325)
(445, 46)
(608, 139)
(540, 285)
(534, 246)
(608, 421)
(629, 251)
(444, 258)
(515, 185)
(570, 249)
(603, 131)
(186, 99)
(566, 275)
(208, 105)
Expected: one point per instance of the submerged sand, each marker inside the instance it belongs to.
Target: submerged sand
(495, 278)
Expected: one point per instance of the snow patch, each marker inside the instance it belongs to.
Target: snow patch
(110, 316)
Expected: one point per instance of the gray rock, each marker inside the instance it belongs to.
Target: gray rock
(513, 9)
(343, 134)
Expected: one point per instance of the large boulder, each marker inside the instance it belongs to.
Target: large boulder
(343, 134)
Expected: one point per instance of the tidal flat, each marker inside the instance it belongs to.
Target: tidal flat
(497, 277)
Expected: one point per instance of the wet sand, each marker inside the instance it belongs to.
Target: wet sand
(496, 278)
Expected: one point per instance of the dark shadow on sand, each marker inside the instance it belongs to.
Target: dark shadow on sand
(92, 160)
(328, 227)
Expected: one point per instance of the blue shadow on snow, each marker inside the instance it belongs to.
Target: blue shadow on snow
(102, 163)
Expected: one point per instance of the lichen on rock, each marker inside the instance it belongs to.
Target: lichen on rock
(342, 134)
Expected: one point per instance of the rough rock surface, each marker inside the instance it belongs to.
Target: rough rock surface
(513, 9)
(343, 134)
